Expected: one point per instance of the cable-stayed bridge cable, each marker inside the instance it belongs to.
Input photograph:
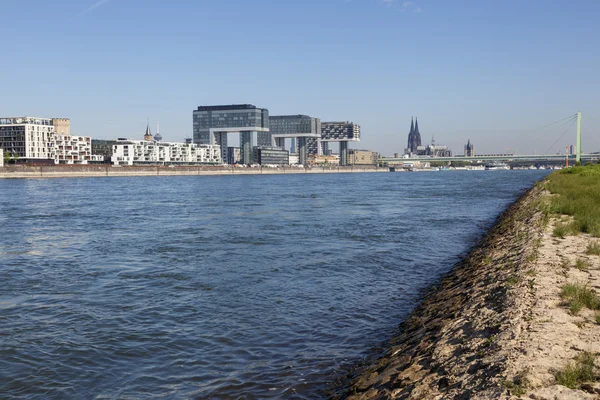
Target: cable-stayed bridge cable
(563, 134)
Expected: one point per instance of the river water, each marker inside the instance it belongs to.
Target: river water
(226, 286)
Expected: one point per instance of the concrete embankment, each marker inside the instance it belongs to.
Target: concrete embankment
(66, 171)
(497, 326)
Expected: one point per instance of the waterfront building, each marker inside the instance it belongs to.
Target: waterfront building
(362, 157)
(331, 159)
(104, 148)
(342, 132)
(271, 156)
(233, 155)
(469, 149)
(144, 152)
(414, 138)
(28, 138)
(70, 149)
(212, 124)
(62, 126)
(297, 127)
(294, 159)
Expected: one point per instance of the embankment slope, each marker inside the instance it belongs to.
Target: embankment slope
(459, 340)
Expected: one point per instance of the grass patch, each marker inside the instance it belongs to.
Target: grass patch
(518, 386)
(593, 249)
(582, 264)
(562, 230)
(577, 372)
(578, 295)
(512, 280)
(577, 191)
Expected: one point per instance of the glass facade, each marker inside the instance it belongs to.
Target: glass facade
(231, 118)
(271, 156)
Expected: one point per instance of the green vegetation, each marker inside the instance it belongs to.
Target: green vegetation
(593, 249)
(518, 386)
(561, 230)
(512, 280)
(578, 372)
(582, 264)
(598, 318)
(578, 295)
(577, 193)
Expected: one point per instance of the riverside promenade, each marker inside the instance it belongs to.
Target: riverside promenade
(78, 171)
(518, 317)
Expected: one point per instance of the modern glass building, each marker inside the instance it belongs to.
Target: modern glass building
(300, 128)
(212, 124)
(271, 156)
(342, 132)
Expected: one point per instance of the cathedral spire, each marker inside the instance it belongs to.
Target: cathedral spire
(412, 126)
(417, 134)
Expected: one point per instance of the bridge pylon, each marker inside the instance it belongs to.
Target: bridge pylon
(578, 149)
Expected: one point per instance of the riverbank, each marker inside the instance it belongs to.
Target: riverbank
(501, 324)
(78, 171)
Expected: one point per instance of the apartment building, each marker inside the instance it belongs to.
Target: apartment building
(67, 149)
(143, 152)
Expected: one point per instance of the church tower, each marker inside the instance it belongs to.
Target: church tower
(414, 137)
(148, 135)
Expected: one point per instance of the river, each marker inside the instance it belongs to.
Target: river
(222, 286)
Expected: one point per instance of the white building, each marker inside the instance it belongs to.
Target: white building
(67, 149)
(130, 152)
(27, 137)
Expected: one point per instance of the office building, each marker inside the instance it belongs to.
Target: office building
(212, 124)
(144, 152)
(271, 156)
(362, 157)
(233, 155)
(28, 138)
(70, 149)
(104, 148)
(469, 149)
(342, 132)
(299, 128)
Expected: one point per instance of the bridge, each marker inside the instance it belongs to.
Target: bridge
(509, 157)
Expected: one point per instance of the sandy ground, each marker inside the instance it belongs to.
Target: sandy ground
(553, 336)
(496, 326)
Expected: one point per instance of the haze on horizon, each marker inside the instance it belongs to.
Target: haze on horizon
(488, 71)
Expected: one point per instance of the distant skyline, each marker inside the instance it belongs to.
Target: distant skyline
(488, 71)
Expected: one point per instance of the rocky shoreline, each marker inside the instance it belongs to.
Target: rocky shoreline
(472, 333)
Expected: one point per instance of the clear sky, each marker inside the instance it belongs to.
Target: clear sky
(488, 70)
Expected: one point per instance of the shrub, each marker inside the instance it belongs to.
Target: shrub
(593, 249)
(578, 295)
(577, 372)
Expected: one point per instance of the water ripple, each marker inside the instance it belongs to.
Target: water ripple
(221, 287)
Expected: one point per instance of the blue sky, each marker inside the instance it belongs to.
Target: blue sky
(486, 70)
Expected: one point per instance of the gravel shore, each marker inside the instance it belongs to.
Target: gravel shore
(496, 326)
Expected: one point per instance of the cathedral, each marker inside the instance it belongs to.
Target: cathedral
(414, 137)
(416, 148)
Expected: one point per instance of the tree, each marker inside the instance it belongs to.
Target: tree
(6, 157)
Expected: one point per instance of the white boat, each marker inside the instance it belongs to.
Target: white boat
(496, 166)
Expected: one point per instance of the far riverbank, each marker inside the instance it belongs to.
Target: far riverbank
(78, 171)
